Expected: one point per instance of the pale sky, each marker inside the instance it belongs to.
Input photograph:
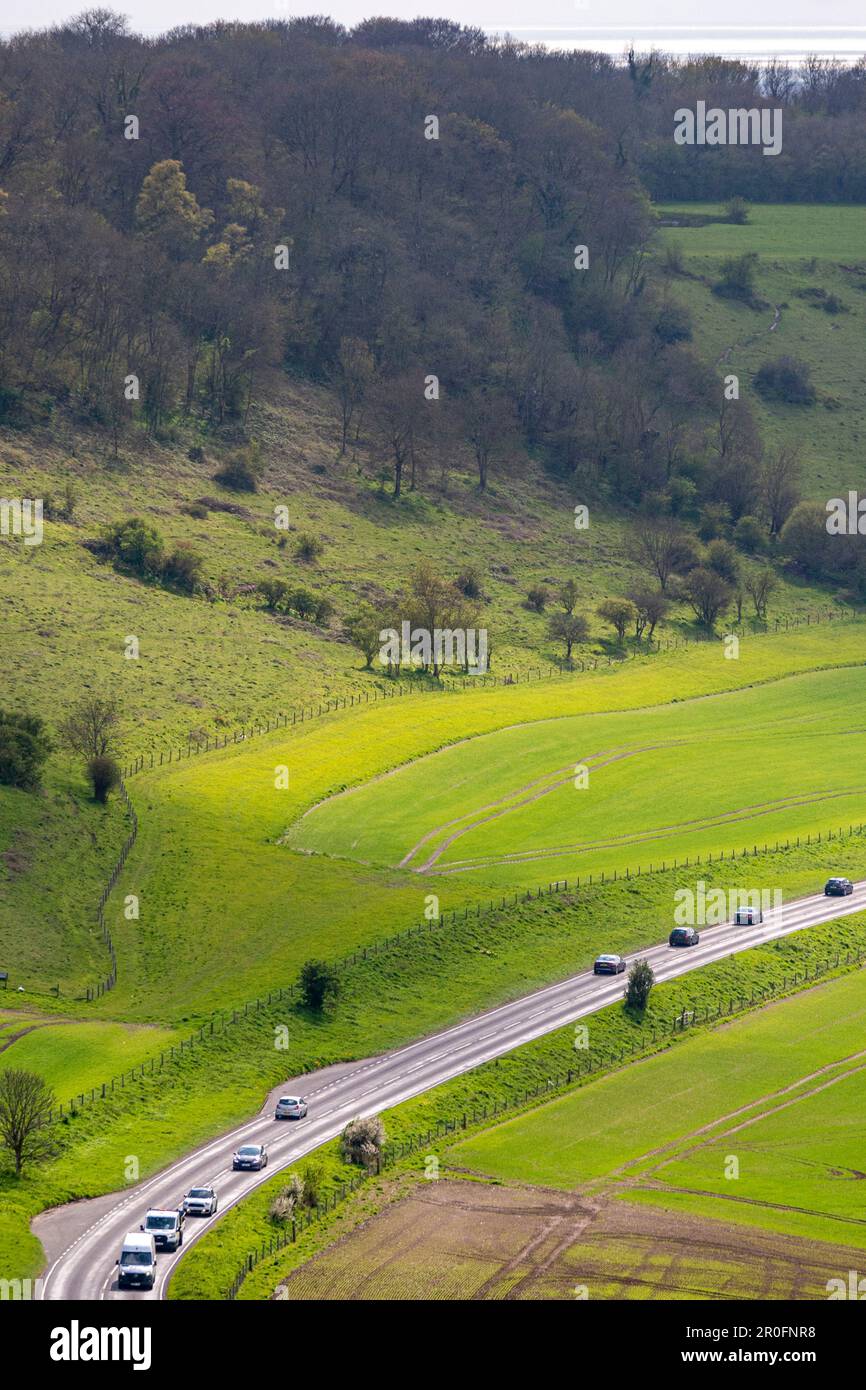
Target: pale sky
(794, 26)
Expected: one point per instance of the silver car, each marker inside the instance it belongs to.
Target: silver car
(290, 1108)
(200, 1201)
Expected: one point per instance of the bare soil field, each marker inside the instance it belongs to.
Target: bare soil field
(472, 1240)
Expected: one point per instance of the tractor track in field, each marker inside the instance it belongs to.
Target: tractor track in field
(735, 817)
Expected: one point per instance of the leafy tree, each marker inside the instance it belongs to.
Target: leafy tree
(722, 557)
(320, 983)
(640, 981)
(26, 1102)
(620, 613)
(168, 212)
(183, 568)
(24, 748)
(363, 628)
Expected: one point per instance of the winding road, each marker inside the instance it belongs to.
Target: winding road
(83, 1239)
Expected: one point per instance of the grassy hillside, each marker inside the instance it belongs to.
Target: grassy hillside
(805, 253)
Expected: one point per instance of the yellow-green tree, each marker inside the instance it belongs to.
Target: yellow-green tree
(168, 212)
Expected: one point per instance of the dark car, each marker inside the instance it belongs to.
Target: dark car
(609, 965)
(250, 1156)
(838, 887)
(683, 936)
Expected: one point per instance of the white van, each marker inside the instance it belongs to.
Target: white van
(136, 1267)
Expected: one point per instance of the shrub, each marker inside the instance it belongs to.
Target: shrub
(241, 471)
(136, 545)
(737, 211)
(785, 379)
(362, 1141)
(674, 324)
(104, 776)
(308, 547)
(288, 1199)
(640, 981)
(183, 568)
(24, 747)
(538, 598)
(319, 983)
(722, 558)
(750, 535)
(469, 583)
(738, 277)
(313, 1176)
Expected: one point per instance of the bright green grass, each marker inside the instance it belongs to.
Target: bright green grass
(57, 849)
(683, 778)
(796, 231)
(242, 911)
(800, 247)
(74, 1057)
(612, 1032)
(798, 1156)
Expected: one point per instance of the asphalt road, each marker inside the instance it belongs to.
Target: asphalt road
(84, 1267)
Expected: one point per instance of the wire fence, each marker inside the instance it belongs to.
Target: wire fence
(394, 1152)
(562, 669)
(303, 714)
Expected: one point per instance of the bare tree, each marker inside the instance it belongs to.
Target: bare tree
(90, 728)
(780, 485)
(662, 547)
(25, 1109)
(759, 586)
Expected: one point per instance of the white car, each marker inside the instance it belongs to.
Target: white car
(748, 916)
(200, 1201)
(290, 1108)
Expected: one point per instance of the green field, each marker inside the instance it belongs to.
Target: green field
(661, 783)
(782, 1092)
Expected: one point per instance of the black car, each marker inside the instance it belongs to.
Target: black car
(250, 1156)
(838, 887)
(609, 965)
(683, 936)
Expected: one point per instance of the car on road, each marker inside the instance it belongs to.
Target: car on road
(838, 887)
(748, 916)
(136, 1267)
(250, 1156)
(166, 1227)
(609, 965)
(200, 1201)
(290, 1108)
(683, 936)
